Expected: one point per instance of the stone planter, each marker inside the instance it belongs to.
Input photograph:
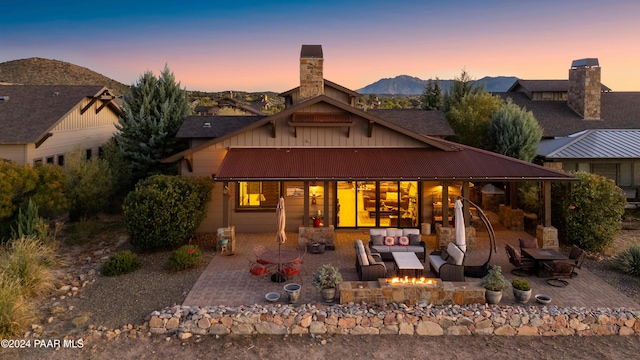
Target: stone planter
(292, 292)
(493, 297)
(328, 295)
(522, 296)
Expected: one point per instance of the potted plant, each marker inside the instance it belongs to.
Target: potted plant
(521, 290)
(326, 279)
(494, 283)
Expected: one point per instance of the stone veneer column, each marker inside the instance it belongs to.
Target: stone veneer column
(547, 237)
(584, 91)
(311, 71)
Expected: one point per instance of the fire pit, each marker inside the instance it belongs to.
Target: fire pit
(411, 281)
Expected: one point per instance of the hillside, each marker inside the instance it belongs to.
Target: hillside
(39, 71)
(409, 85)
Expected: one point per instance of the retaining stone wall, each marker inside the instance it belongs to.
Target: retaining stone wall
(398, 319)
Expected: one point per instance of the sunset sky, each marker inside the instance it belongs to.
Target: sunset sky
(255, 45)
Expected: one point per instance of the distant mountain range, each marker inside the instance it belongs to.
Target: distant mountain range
(410, 85)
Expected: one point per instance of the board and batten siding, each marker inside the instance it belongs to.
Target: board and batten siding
(77, 132)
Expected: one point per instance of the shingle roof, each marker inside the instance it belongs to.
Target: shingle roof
(601, 144)
(378, 164)
(432, 123)
(546, 85)
(32, 110)
(195, 126)
(619, 110)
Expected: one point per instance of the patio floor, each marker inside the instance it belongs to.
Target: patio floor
(227, 281)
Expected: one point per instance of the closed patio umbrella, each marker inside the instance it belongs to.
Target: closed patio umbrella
(461, 239)
(281, 237)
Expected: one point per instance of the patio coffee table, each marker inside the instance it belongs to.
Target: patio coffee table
(542, 255)
(407, 261)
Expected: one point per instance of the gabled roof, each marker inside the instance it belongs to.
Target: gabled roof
(326, 83)
(430, 123)
(619, 110)
(545, 86)
(594, 144)
(31, 111)
(213, 126)
(435, 142)
(281, 164)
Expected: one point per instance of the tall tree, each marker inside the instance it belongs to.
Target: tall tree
(515, 132)
(469, 118)
(431, 97)
(462, 85)
(154, 111)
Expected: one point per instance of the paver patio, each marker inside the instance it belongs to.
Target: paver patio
(227, 281)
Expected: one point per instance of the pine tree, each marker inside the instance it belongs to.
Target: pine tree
(515, 132)
(462, 86)
(431, 97)
(154, 111)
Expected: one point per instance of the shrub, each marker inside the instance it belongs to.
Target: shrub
(521, 284)
(588, 212)
(186, 257)
(163, 211)
(30, 263)
(327, 276)
(628, 261)
(89, 185)
(122, 262)
(494, 280)
(82, 231)
(16, 312)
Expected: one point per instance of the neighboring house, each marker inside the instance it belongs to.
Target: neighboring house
(40, 123)
(586, 126)
(330, 159)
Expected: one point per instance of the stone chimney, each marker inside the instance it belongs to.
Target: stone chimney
(584, 88)
(311, 76)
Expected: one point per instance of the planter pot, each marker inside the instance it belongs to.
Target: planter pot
(522, 296)
(316, 248)
(292, 292)
(493, 297)
(328, 295)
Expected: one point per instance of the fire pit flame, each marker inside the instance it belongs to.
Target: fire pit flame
(411, 281)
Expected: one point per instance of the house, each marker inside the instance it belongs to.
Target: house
(40, 123)
(586, 126)
(332, 161)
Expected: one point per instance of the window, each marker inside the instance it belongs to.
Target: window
(258, 195)
(37, 162)
(61, 160)
(50, 160)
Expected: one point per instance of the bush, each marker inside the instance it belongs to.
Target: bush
(163, 211)
(588, 212)
(81, 231)
(16, 312)
(89, 185)
(122, 262)
(628, 261)
(29, 262)
(494, 280)
(186, 257)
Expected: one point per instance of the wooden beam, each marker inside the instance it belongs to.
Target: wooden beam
(370, 130)
(189, 160)
(273, 129)
(42, 139)
(305, 215)
(104, 103)
(84, 109)
(546, 191)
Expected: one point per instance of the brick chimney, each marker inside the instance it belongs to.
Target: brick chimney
(584, 88)
(311, 77)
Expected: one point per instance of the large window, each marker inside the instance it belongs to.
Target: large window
(258, 195)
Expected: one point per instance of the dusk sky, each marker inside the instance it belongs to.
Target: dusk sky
(255, 45)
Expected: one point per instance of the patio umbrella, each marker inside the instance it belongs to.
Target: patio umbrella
(461, 239)
(281, 236)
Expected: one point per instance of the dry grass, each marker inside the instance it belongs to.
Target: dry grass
(29, 262)
(16, 312)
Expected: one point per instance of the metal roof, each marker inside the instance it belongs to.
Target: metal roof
(591, 144)
(429, 163)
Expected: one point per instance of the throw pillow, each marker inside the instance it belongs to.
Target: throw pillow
(371, 259)
(389, 240)
(377, 240)
(415, 239)
(404, 241)
(451, 260)
(444, 255)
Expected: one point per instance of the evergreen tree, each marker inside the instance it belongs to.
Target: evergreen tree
(515, 132)
(462, 86)
(469, 119)
(154, 111)
(431, 97)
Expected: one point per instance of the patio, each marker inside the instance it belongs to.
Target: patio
(227, 281)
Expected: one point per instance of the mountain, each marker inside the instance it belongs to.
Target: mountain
(410, 85)
(39, 71)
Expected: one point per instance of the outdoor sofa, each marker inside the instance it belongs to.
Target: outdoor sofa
(447, 264)
(387, 241)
